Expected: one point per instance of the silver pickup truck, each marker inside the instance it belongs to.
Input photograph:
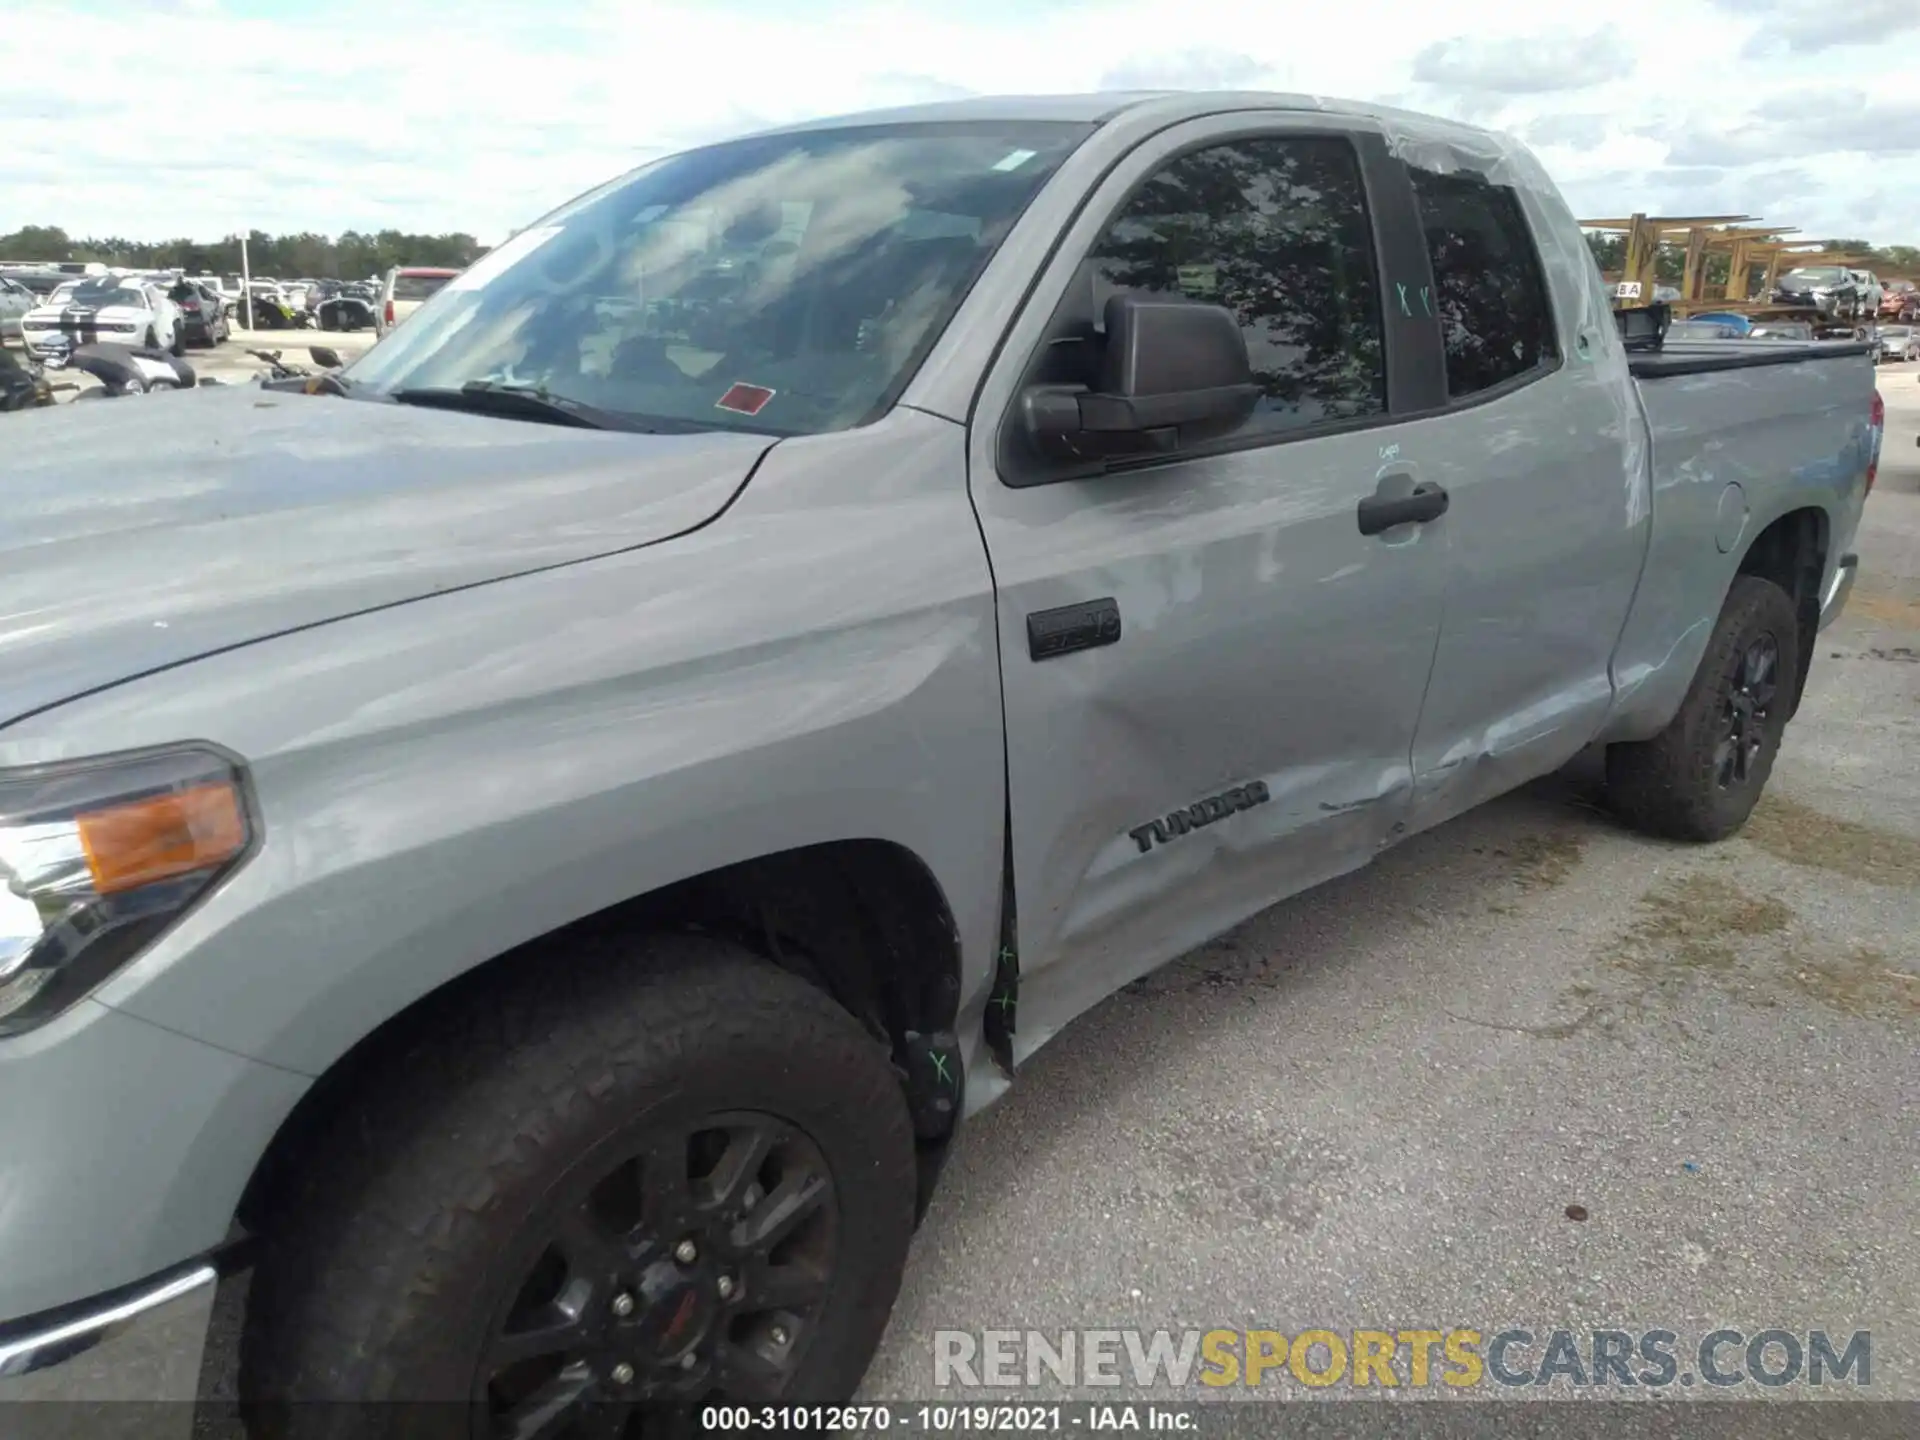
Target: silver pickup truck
(531, 847)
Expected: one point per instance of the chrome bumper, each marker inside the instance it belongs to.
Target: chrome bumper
(1835, 600)
(128, 1365)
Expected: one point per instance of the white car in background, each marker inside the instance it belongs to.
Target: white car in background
(118, 309)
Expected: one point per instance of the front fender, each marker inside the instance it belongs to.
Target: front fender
(446, 779)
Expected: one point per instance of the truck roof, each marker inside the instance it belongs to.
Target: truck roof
(1098, 107)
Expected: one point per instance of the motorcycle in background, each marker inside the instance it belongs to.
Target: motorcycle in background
(272, 312)
(124, 370)
(24, 386)
(298, 378)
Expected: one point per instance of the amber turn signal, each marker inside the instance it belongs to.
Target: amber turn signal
(162, 837)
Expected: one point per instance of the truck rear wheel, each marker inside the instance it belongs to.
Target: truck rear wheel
(662, 1173)
(1700, 778)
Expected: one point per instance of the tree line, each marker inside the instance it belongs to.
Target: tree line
(353, 255)
(348, 256)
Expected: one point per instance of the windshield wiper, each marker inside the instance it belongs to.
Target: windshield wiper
(528, 402)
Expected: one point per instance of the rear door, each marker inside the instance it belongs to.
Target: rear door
(1540, 447)
(1211, 675)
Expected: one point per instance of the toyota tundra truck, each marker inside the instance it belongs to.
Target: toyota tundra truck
(530, 846)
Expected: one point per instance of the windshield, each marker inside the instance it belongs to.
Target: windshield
(788, 283)
(1819, 275)
(103, 295)
(1896, 332)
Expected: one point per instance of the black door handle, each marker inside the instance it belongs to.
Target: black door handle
(1377, 512)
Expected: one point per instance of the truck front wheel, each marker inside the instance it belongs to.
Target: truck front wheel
(1700, 778)
(658, 1173)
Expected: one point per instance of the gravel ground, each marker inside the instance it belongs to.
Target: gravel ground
(1372, 1106)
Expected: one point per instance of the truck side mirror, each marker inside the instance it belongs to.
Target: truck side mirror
(1174, 374)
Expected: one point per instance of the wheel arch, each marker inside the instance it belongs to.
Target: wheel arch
(1791, 551)
(866, 921)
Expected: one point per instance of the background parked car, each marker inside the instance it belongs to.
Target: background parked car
(15, 301)
(1900, 301)
(40, 282)
(1704, 330)
(349, 307)
(1898, 343)
(1830, 289)
(322, 290)
(120, 309)
(203, 314)
(408, 287)
(1869, 290)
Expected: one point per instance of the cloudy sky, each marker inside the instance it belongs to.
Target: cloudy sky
(158, 118)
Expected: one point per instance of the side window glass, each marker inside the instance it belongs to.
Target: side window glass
(1276, 231)
(1488, 289)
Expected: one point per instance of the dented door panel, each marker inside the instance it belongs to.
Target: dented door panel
(1240, 726)
(1248, 734)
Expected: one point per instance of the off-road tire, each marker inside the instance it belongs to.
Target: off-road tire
(1669, 786)
(382, 1263)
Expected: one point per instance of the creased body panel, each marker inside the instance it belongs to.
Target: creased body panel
(451, 777)
(1787, 436)
(1264, 640)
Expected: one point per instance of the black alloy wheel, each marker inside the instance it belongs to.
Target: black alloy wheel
(684, 1267)
(584, 1198)
(1749, 712)
(1700, 777)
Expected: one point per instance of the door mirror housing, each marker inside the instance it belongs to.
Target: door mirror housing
(1174, 374)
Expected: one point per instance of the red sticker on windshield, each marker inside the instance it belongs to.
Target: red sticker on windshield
(744, 399)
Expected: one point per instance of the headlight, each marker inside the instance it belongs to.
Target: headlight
(97, 858)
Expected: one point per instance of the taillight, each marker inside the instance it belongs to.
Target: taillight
(390, 321)
(1877, 423)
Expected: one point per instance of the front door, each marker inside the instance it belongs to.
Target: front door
(1212, 675)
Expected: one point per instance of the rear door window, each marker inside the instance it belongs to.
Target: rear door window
(1489, 291)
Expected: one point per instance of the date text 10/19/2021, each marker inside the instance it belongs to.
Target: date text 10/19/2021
(951, 1419)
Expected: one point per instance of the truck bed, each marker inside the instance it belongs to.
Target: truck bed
(1738, 428)
(1697, 357)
